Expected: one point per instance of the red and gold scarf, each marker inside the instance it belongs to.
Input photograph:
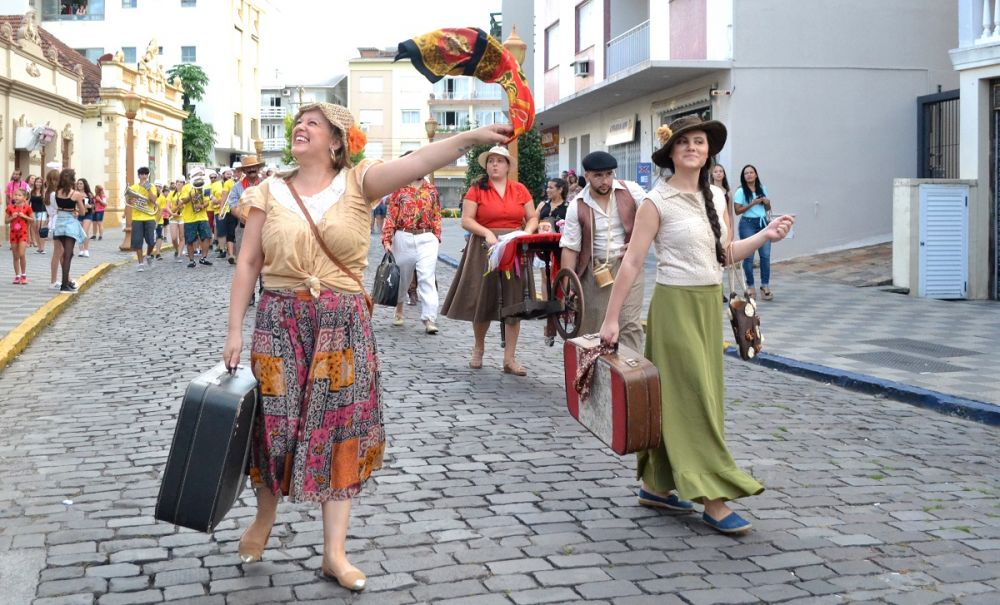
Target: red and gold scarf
(472, 52)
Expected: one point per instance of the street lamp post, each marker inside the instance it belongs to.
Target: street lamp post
(518, 48)
(131, 102)
(431, 127)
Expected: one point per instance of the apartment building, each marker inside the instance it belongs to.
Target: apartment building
(393, 102)
(279, 100)
(220, 36)
(819, 96)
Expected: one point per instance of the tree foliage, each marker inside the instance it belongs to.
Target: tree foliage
(199, 136)
(286, 154)
(531, 164)
(193, 78)
(198, 141)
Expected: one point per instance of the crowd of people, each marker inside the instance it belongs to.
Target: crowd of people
(191, 214)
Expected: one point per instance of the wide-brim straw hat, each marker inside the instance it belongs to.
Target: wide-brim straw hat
(251, 161)
(715, 130)
(495, 150)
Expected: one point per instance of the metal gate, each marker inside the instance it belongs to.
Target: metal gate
(937, 128)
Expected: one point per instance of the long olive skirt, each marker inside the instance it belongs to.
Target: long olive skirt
(684, 341)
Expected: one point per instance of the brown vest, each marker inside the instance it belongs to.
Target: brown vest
(585, 214)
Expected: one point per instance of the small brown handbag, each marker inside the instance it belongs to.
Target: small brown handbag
(743, 315)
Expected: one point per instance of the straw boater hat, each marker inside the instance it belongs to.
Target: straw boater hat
(251, 161)
(667, 135)
(495, 150)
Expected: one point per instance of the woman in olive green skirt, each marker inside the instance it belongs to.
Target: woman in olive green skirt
(686, 219)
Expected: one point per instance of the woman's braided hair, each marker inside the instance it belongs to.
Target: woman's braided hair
(713, 216)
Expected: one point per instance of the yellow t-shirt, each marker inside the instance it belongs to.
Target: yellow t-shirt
(188, 215)
(161, 207)
(143, 191)
(217, 193)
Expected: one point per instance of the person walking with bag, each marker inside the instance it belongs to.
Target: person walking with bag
(753, 207)
(599, 224)
(686, 218)
(319, 431)
(412, 234)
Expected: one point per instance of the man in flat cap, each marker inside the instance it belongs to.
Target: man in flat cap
(599, 222)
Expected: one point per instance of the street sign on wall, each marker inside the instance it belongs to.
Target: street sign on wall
(644, 174)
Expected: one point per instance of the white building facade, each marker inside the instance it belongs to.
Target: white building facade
(280, 100)
(976, 58)
(820, 97)
(220, 36)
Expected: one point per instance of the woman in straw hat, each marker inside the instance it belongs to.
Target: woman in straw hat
(687, 220)
(493, 206)
(319, 433)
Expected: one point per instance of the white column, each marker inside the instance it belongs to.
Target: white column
(987, 20)
(996, 19)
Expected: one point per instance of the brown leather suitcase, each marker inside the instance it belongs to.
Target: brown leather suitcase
(623, 407)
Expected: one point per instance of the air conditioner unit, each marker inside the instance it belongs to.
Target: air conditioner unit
(581, 69)
(286, 93)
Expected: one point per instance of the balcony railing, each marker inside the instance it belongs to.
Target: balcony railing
(628, 49)
(275, 144)
(991, 22)
(272, 113)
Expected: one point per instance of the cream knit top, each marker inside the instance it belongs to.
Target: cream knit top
(685, 244)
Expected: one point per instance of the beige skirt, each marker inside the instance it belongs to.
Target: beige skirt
(474, 295)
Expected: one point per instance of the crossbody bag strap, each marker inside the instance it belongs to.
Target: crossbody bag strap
(326, 250)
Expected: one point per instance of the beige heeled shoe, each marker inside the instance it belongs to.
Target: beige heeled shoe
(353, 579)
(252, 551)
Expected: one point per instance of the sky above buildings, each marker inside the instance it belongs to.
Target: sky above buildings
(304, 41)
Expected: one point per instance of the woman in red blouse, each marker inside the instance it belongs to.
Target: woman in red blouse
(493, 206)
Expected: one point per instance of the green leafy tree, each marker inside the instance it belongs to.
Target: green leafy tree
(531, 164)
(199, 136)
(286, 154)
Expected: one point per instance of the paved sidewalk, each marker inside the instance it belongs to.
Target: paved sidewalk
(942, 346)
(491, 493)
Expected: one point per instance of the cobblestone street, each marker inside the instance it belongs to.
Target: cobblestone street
(491, 494)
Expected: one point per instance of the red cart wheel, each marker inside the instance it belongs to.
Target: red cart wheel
(570, 291)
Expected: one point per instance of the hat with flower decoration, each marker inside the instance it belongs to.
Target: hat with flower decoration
(342, 121)
(667, 135)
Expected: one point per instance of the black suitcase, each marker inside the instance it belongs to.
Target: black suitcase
(206, 467)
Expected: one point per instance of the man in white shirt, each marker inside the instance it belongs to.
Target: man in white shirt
(599, 222)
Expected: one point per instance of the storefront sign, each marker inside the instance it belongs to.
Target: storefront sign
(621, 131)
(550, 141)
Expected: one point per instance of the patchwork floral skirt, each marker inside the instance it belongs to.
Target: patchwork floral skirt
(319, 433)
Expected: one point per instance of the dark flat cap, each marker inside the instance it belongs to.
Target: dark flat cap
(599, 160)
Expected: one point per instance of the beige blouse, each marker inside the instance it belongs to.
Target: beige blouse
(293, 259)
(685, 244)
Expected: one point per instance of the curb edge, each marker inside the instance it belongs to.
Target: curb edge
(951, 405)
(20, 337)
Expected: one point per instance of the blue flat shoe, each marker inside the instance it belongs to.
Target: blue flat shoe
(732, 524)
(671, 502)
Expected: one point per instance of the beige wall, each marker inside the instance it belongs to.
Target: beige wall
(36, 91)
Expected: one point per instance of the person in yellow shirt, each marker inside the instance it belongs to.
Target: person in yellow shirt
(218, 232)
(227, 226)
(143, 224)
(162, 216)
(174, 212)
(195, 197)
